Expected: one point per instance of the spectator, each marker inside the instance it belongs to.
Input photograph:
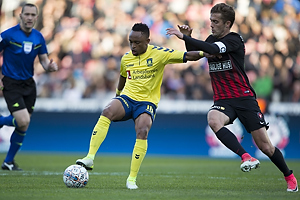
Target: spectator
(93, 34)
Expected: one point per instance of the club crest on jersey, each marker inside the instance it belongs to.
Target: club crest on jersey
(149, 62)
(260, 116)
(27, 47)
(261, 119)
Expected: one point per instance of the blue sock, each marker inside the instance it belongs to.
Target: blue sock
(8, 121)
(16, 140)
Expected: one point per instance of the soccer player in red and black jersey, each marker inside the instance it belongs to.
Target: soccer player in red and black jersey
(233, 95)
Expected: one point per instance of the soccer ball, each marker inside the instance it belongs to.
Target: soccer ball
(75, 176)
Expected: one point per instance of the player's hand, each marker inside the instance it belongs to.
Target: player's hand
(52, 67)
(207, 55)
(185, 29)
(173, 31)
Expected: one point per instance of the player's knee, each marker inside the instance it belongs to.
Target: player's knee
(214, 125)
(142, 133)
(107, 113)
(23, 123)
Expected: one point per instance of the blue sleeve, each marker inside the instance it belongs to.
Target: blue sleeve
(3, 41)
(43, 49)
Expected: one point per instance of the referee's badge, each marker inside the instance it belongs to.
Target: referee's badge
(27, 47)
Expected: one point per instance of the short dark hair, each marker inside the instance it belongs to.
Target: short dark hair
(226, 11)
(142, 28)
(29, 5)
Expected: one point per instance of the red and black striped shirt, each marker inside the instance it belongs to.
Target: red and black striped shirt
(226, 69)
(228, 77)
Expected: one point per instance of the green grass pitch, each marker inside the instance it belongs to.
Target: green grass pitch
(160, 177)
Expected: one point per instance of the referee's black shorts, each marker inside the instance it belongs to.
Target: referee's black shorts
(19, 94)
(246, 109)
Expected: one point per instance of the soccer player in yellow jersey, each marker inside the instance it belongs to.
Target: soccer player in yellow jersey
(137, 95)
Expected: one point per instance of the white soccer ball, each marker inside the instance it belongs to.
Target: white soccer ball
(75, 176)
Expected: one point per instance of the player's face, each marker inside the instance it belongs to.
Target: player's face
(138, 42)
(28, 18)
(218, 28)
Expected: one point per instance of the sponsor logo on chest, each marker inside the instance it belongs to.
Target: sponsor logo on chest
(220, 66)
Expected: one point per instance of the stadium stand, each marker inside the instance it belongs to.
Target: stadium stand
(88, 37)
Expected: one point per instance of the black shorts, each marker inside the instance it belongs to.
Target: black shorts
(19, 94)
(246, 109)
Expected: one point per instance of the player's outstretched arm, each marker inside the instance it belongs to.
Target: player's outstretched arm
(192, 44)
(194, 55)
(185, 29)
(174, 31)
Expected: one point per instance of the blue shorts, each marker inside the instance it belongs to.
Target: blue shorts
(133, 108)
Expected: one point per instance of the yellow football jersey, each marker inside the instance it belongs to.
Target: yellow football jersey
(144, 72)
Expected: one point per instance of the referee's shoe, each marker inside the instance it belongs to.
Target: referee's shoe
(11, 166)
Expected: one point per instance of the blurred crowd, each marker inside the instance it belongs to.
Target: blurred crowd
(87, 39)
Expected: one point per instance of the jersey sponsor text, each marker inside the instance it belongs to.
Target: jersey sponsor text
(220, 66)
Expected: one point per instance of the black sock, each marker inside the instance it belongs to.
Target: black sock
(230, 141)
(278, 160)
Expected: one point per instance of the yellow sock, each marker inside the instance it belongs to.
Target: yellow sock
(98, 135)
(138, 155)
